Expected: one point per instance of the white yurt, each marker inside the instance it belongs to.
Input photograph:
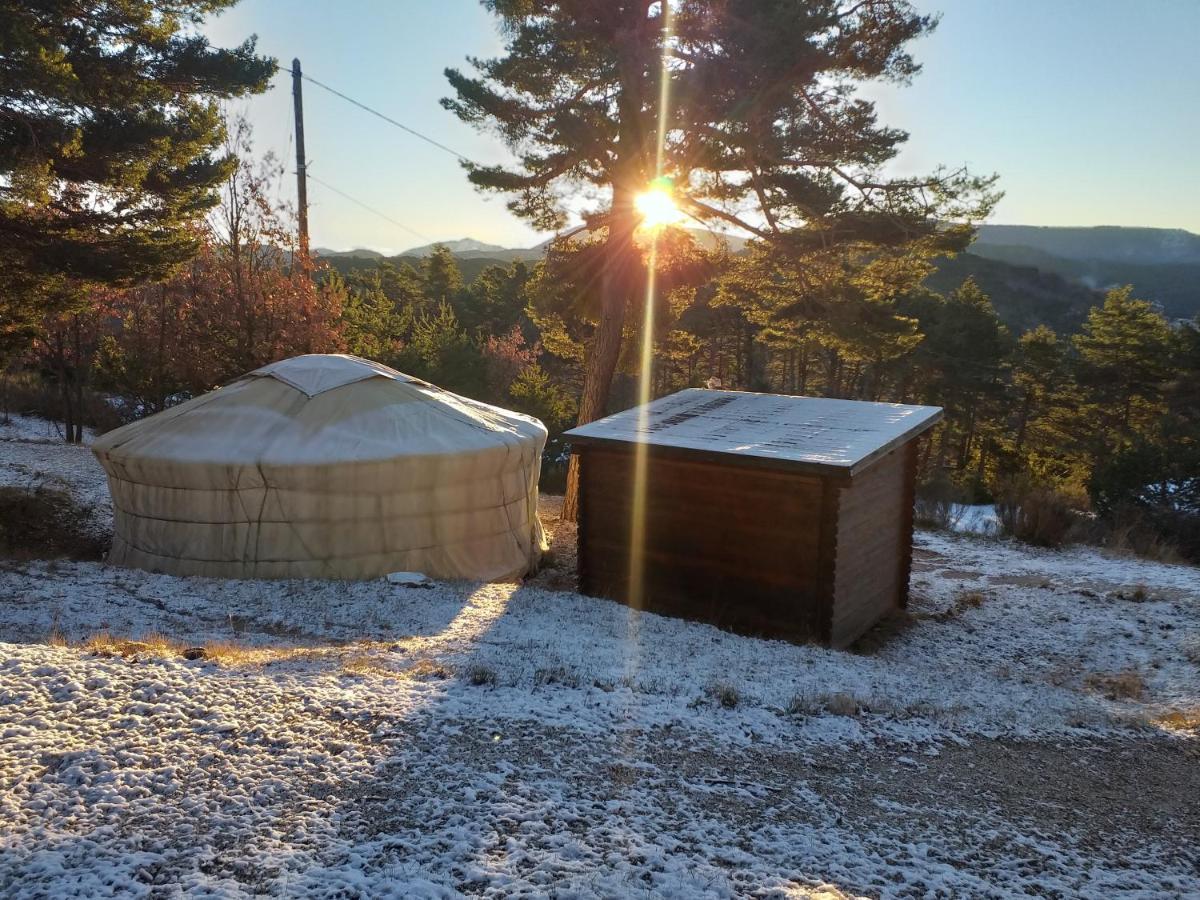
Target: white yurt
(327, 466)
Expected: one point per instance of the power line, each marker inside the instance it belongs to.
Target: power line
(369, 209)
(383, 116)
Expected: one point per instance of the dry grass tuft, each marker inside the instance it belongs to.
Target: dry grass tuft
(56, 638)
(842, 704)
(971, 599)
(726, 695)
(1127, 685)
(231, 653)
(966, 600)
(481, 675)
(1132, 536)
(427, 669)
(1035, 513)
(1191, 650)
(362, 664)
(224, 653)
(150, 646)
(1139, 593)
(558, 675)
(838, 703)
(1180, 720)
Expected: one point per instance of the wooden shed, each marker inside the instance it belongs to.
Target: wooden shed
(790, 517)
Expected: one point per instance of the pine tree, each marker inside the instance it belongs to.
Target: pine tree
(1184, 394)
(497, 301)
(441, 276)
(110, 143)
(963, 359)
(535, 394)
(371, 325)
(402, 285)
(1041, 390)
(442, 352)
(761, 111)
(1124, 366)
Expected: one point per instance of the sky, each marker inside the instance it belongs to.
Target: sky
(1089, 110)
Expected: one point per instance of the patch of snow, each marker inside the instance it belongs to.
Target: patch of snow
(979, 518)
(374, 739)
(34, 430)
(1014, 661)
(838, 435)
(32, 456)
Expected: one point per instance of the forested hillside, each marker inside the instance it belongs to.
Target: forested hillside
(1034, 275)
(1162, 264)
(470, 266)
(1024, 296)
(1173, 285)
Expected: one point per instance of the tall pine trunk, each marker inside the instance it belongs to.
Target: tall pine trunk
(606, 343)
(620, 253)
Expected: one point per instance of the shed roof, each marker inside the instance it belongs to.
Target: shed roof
(832, 437)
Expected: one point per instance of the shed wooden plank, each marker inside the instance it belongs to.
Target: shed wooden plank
(734, 547)
(872, 568)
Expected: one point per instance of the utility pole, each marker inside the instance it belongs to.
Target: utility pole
(301, 179)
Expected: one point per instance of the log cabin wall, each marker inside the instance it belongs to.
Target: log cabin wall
(736, 546)
(874, 544)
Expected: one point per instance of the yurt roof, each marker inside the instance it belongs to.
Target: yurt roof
(315, 373)
(319, 408)
(815, 434)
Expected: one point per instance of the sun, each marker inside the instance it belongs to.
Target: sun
(656, 205)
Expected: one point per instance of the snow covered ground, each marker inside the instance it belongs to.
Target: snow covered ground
(32, 455)
(1027, 729)
(979, 518)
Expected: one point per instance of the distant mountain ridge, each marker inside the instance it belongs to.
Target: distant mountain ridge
(470, 248)
(356, 253)
(1110, 243)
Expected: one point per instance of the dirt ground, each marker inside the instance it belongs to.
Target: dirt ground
(558, 565)
(1018, 818)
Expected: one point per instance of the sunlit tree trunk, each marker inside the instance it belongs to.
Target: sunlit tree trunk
(606, 343)
(616, 283)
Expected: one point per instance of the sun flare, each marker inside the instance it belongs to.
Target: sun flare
(657, 208)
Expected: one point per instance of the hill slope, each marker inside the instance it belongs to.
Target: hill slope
(1024, 296)
(1174, 286)
(1034, 275)
(470, 266)
(1162, 264)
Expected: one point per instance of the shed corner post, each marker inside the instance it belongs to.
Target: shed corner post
(908, 524)
(822, 622)
(582, 548)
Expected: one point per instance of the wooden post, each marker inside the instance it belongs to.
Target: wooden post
(301, 180)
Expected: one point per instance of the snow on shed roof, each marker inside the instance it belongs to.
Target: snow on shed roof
(821, 435)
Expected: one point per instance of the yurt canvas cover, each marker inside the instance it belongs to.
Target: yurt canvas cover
(326, 466)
